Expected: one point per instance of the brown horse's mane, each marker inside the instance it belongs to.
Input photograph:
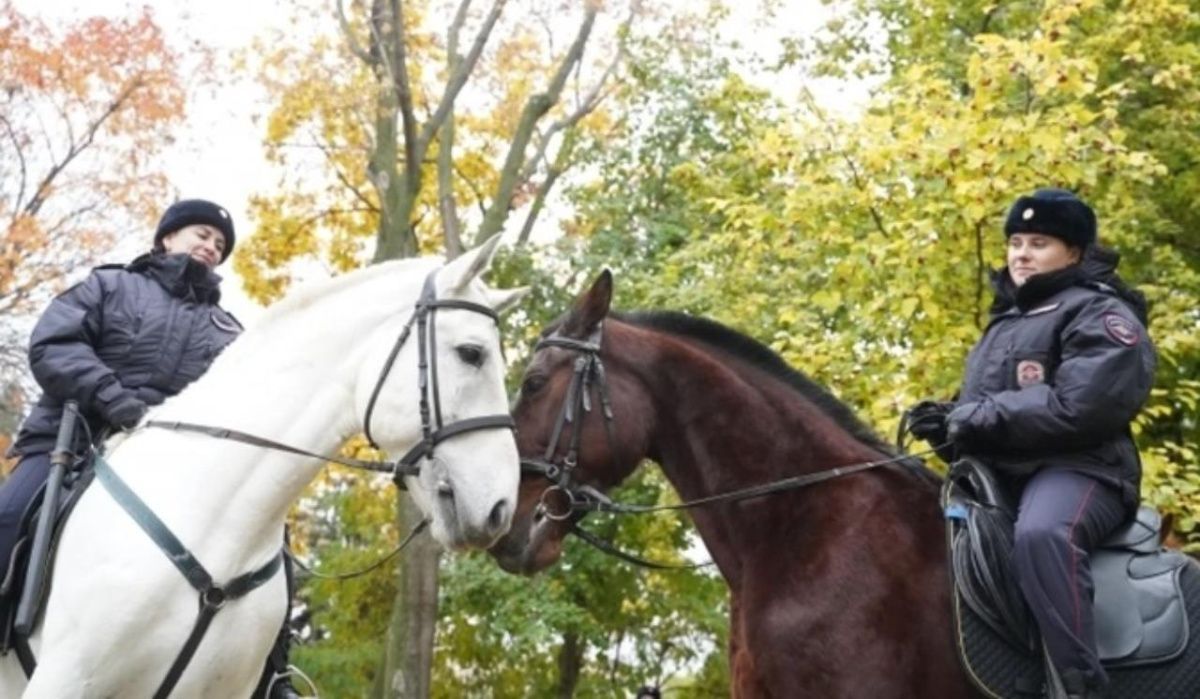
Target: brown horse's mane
(752, 352)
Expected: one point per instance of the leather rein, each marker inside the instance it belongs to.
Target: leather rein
(213, 596)
(588, 374)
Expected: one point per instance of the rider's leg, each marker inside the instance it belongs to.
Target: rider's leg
(1063, 516)
(275, 678)
(15, 494)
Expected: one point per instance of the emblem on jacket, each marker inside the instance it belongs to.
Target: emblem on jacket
(1029, 372)
(1121, 329)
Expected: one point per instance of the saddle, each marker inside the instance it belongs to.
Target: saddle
(75, 483)
(1146, 599)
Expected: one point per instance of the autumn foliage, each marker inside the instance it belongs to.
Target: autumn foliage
(84, 112)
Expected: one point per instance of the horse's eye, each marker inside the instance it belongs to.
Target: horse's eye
(470, 354)
(532, 384)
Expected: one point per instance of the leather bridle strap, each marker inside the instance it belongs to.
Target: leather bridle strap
(606, 547)
(782, 485)
(396, 468)
(407, 463)
(212, 596)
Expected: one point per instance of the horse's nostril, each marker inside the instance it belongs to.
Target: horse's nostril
(499, 518)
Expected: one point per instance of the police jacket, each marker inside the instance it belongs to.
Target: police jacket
(1060, 372)
(145, 330)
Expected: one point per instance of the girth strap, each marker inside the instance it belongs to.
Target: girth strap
(212, 596)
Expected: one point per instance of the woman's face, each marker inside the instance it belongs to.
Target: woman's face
(1037, 253)
(204, 243)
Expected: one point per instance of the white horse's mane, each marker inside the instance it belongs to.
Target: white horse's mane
(315, 291)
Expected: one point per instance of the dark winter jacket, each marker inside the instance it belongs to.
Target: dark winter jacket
(127, 336)
(1060, 372)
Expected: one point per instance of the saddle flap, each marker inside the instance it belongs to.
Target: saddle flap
(1118, 623)
(1140, 613)
(1140, 534)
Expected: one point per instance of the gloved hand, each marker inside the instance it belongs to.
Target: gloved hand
(958, 423)
(149, 396)
(124, 411)
(927, 421)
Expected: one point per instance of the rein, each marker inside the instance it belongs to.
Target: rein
(412, 534)
(583, 499)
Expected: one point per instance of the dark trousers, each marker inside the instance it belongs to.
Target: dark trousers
(15, 494)
(1063, 517)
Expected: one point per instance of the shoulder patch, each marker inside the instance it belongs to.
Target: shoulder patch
(1121, 329)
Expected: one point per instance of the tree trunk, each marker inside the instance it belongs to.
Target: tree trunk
(570, 664)
(408, 651)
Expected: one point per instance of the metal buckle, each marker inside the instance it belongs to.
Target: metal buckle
(213, 597)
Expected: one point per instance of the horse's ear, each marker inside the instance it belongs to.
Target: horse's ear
(501, 300)
(471, 264)
(590, 308)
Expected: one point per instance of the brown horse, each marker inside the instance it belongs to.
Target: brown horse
(838, 590)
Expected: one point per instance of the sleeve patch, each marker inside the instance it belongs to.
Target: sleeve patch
(1121, 329)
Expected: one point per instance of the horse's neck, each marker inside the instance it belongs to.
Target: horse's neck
(720, 430)
(292, 382)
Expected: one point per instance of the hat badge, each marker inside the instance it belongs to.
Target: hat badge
(1027, 214)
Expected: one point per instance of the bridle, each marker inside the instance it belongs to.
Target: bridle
(432, 432)
(588, 372)
(213, 595)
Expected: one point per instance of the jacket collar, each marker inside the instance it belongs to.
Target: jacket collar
(1097, 269)
(1036, 291)
(180, 275)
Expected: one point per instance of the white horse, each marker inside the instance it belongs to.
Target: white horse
(119, 611)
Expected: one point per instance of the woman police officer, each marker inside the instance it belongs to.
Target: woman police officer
(1048, 395)
(126, 338)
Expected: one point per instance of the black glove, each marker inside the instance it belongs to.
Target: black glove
(927, 421)
(149, 396)
(957, 423)
(124, 411)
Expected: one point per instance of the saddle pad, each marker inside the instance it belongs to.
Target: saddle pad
(8, 604)
(1001, 671)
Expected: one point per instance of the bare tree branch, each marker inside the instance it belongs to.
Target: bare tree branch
(458, 79)
(12, 136)
(535, 108)
(43, 189)
(412, 158)
(447, 205)
(351, 41)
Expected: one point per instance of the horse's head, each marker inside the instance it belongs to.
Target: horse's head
(443, 387)
(575, 377)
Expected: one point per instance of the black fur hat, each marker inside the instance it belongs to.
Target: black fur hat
(1055, 212)
(189, 211)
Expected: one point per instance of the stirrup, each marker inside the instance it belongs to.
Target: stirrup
(293, 671)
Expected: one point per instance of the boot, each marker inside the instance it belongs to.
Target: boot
(1077, 686)
(282, 689)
